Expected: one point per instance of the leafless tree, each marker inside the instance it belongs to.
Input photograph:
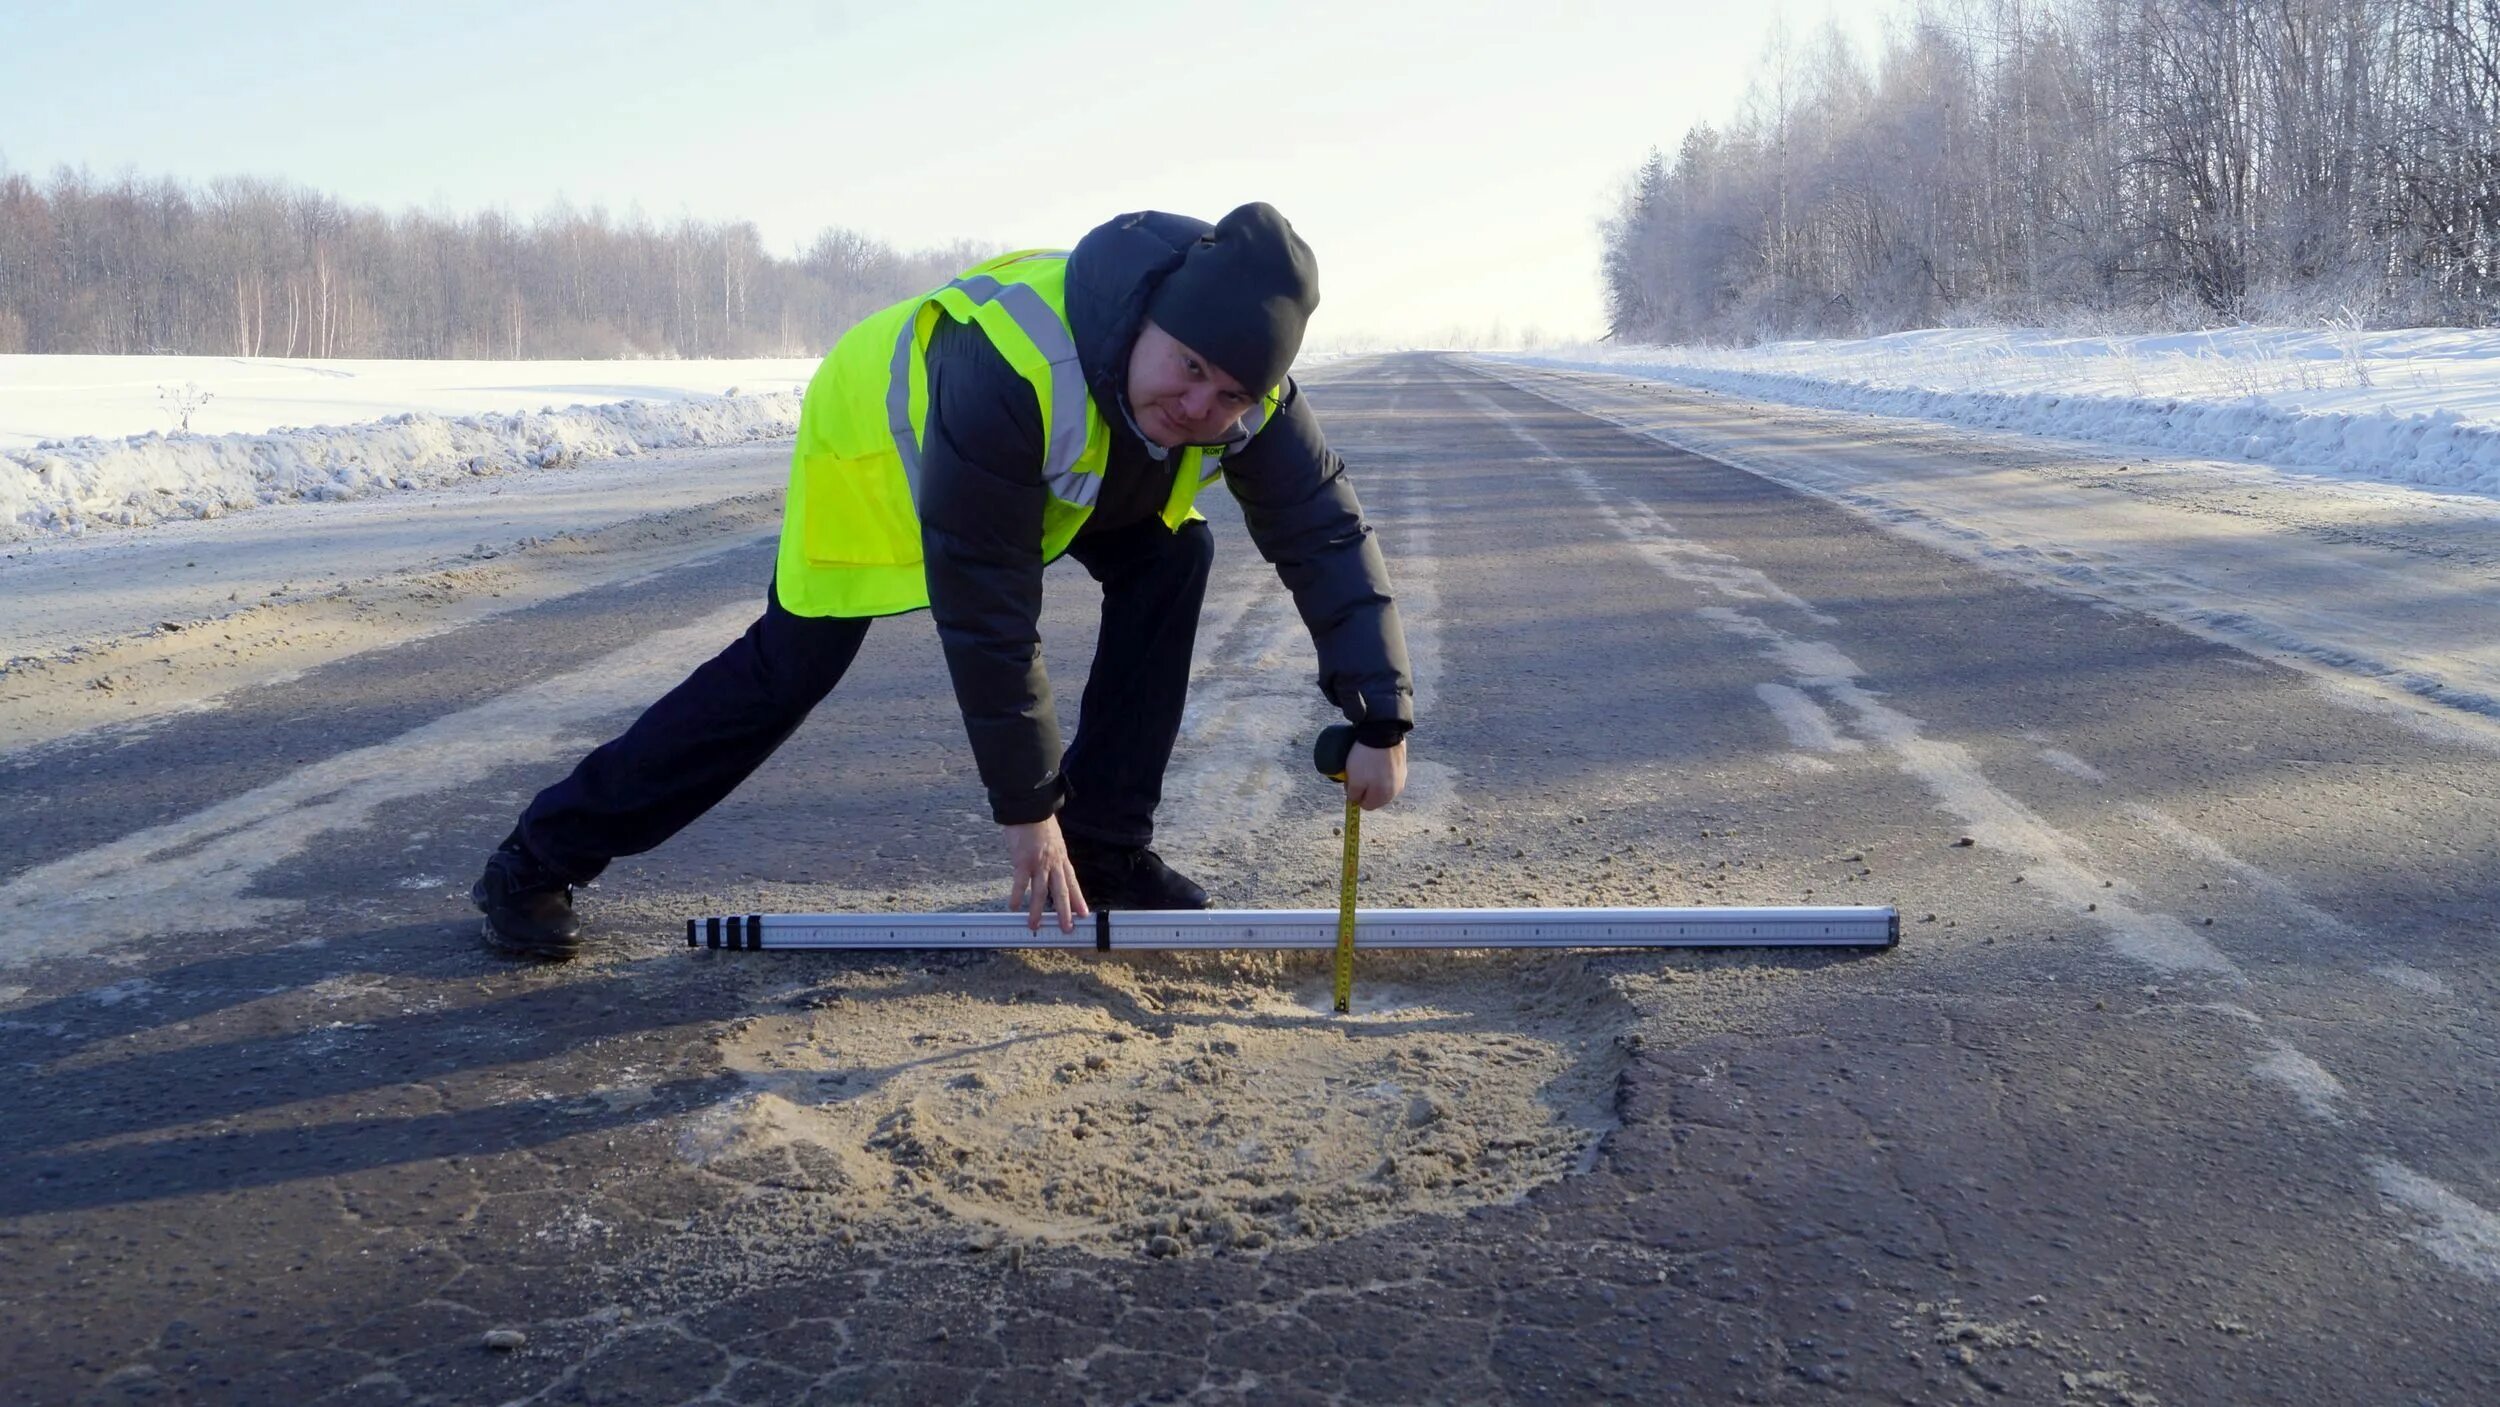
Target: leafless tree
(253, 267)
(2138, 161)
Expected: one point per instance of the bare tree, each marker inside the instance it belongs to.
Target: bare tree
(253, 267)
(2152, 160)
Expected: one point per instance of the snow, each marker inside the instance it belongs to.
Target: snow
(93, 442)
(65, 593)
(59, 398)
(2417, 407)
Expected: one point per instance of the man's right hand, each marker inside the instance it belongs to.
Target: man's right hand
(1045, 878)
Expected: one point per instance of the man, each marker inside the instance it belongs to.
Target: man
(948, 449)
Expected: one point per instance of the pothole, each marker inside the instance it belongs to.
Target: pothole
(1185, 1105)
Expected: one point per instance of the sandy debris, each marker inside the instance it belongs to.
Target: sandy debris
(1976, 1348)
(1159, 1106)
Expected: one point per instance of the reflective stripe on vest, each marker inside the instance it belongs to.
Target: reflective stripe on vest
(1049, 335)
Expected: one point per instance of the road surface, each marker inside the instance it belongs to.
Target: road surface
(2177, 1089)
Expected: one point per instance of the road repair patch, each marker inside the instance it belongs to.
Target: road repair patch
(1165, 1105)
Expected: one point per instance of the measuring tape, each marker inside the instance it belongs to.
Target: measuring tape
(1330, 754)
(1345, 906)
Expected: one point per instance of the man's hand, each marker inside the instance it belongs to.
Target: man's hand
(1044, 877)
(1374, 776)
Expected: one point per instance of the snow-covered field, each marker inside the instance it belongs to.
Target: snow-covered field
(97, 442)
(2406, 407)
(61, 398)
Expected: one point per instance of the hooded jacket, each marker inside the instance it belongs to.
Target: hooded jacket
(980, 507)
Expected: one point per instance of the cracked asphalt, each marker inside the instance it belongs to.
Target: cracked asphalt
(2177, 1090)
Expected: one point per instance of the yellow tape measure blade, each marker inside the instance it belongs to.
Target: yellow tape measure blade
(1345, 908)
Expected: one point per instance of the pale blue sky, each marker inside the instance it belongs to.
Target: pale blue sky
(1448, 161)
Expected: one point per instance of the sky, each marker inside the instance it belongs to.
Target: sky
(1449, 162)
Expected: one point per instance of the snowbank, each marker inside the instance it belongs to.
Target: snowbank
(2415, 407)
(72, 486)
(45, 397)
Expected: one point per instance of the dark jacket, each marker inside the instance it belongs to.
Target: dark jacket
(981, 499)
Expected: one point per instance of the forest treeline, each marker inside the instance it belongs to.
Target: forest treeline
(254, 267)
(2113, 163)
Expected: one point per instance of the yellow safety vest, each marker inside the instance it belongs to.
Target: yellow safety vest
(850, 532)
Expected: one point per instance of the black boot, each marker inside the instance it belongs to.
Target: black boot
(529, 909)
(1130, 877)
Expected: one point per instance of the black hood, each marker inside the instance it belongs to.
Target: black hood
(1112, 272)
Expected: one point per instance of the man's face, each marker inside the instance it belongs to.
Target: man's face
(1179, 397)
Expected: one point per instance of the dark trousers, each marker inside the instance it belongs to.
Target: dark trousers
(692, 748)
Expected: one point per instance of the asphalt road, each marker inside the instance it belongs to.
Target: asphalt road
(2177, 1090)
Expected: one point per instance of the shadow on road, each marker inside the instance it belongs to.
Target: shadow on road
(393, 1046)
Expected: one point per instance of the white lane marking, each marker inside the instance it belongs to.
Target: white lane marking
(2456, 1232)
(2061, 868)
(2320, 1094)
(2288, 1067)
(1658, 542)
(190, 875)
(2205, 847)
(2061, 759)
(2060, 865)
(2414, 979)
(1808, 726)
(2212, 851)
(2072, 765)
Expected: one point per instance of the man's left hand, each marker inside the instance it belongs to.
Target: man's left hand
(1374, 776)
